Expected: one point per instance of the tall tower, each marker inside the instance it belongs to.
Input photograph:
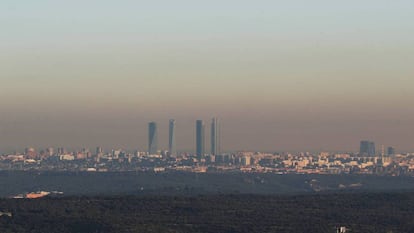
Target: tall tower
(200, 140)
(371, 151)
(171, 138)
(215, 137)
(152, 138)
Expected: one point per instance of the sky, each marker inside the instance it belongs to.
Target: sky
(292, 75)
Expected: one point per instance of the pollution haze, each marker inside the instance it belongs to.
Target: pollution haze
(280, 75)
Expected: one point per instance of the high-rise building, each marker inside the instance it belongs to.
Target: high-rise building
(171, 138)
(371, 150)
(367, 148)
(391, 150)
(152, 138)
(200, 140)
(215, 137)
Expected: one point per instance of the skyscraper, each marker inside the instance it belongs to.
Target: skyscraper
(215, 137)
(152, 138)
(367, 148)
(200, 140)
(371, 150)
(171, 138)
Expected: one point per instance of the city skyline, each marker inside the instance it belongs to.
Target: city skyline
(199, 137)
(366, 147)
(134, 116)
(285, 75)
(389, 150)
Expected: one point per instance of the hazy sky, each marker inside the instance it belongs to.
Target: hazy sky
(281, 75)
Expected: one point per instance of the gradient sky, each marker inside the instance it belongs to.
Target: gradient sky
(281, 75)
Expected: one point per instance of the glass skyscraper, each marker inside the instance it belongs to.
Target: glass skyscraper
(215, 137)
(200, 140)
(171, 138)
(152, 138)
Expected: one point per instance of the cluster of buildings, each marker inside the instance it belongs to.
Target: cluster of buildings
(367, 161)
(367, 148)
(280, 163)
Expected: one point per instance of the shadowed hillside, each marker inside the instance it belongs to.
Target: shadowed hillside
(178, 183)
(216, 213)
